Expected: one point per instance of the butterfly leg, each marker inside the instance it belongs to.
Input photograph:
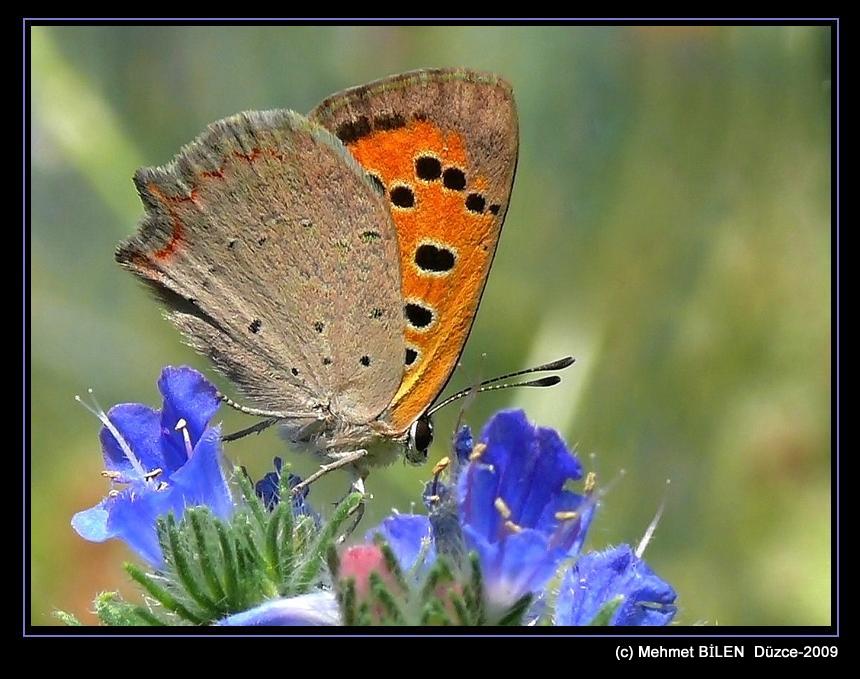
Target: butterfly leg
(255, 429)
(342, 461)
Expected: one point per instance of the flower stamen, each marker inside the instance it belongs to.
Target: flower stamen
(154, 473)
(649, 532)
(182, 426)
(477, 451)
(441, 466)
(97, 410)
(566, 516)
(513, 527)
(502, 508)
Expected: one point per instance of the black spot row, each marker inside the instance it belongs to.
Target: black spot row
(429, 169)
(418, 316)
(255, 325)
(318, 326)
(352, 130)
(389, 121)
(411, 356)
(431, 258)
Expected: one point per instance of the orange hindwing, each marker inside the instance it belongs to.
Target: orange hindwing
(443, 146)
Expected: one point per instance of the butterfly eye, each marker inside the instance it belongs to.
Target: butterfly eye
(420, 438)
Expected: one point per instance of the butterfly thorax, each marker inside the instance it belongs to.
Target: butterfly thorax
(331, 436)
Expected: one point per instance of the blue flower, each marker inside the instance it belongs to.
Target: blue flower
(512, 508)
(599, 577)
(463, 444)
(317, 608)
(167, 459)
(268, 489)
(409, 536)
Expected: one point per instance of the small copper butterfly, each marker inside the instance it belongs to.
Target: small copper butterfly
(331, 265)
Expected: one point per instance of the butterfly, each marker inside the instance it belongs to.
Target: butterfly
(331, 265)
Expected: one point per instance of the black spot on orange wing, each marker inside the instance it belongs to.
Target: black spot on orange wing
(411, 356)
(402, 196)
(429, 257)
(428, 168)
(475, 203)
(418, 316)
(454, 178)
(353, 130)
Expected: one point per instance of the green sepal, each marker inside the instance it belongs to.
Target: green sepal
(605, 614)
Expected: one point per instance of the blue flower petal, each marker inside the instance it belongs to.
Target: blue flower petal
(477, 492)
(509, 437)
(317, 608)
(463, 444)
(553, 467)
(522, 567)
(188, 396)
(133, 514)
(407, 534)
(268, 489)
(201, 480)
(599, 577)
(488, 552)
(140, 429)
(92, 524)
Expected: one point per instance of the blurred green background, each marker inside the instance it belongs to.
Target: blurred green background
(669, 226)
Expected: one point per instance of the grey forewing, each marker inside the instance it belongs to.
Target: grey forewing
(278, 260)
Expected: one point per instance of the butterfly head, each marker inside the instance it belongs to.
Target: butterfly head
(418, 440)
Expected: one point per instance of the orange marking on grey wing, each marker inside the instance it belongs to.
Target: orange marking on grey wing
(433, 165)
(178, 228)
(177, 233)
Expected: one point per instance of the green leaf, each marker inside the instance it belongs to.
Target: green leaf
(201, 522)
(162, 595)
(179, 557)
(67, 618)
(515, 614)
(392, 615)
(230, 566)
(114, 612)
(252, 500)
(604, 616)
(317, 551)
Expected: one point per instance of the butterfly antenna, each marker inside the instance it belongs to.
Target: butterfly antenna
(491, 384)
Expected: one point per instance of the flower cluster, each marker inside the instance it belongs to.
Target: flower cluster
(501, 542)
